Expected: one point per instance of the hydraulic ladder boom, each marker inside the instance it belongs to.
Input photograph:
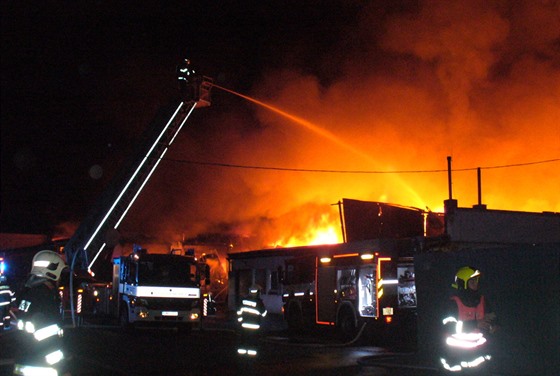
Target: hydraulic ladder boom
(91, 237)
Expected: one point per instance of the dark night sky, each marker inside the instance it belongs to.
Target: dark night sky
(82, 80)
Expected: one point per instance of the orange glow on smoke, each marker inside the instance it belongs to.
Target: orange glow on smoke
(476, 82)
(337, 141)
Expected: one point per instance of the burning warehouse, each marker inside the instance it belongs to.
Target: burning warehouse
(385, 274)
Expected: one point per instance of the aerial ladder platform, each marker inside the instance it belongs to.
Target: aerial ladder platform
(97, 232)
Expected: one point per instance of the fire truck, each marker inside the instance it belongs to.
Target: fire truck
(98, 232)
(158, 289)
(90, 248)
(351, 284)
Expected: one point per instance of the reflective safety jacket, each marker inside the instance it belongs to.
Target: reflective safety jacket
(467, 313)
(465, 345)
(185, 72)
(250, 314)
(40, 304)
(7, 296)
(39, 321)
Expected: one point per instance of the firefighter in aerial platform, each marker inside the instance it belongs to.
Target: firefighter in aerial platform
(250, 319)
(188, 81)
(39, 319)
(469, 322)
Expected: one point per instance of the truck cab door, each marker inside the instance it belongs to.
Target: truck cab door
(326, 294)
(367, 297)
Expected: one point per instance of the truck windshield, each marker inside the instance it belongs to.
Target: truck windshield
(172, 271)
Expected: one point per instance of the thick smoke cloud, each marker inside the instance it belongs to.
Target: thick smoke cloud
(475, 80)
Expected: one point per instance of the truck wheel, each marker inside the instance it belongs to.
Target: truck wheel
(123, 319)
(347, 324)
(295, 318)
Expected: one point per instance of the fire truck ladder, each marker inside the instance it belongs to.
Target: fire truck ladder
(91, 237)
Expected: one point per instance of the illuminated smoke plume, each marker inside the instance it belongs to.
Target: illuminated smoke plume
(476, 80)
(64, 230)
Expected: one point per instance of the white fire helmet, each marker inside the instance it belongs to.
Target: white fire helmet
(48, 264)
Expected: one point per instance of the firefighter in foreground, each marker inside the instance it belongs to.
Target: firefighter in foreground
(469, 322)
(38, 318)
(249, 318)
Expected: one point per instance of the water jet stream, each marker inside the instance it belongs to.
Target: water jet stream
(325, 134)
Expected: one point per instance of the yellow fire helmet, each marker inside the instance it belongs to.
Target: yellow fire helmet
(463, 275)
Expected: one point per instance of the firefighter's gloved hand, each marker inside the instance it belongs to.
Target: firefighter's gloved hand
(487, 324)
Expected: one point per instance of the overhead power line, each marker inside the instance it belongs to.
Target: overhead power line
(230, 165)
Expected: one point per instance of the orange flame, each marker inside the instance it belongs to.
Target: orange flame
(324, 232)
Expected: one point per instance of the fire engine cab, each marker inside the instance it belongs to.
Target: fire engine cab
(158, 289)
(348, 285)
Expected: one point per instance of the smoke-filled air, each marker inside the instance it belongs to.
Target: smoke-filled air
(478, 81)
